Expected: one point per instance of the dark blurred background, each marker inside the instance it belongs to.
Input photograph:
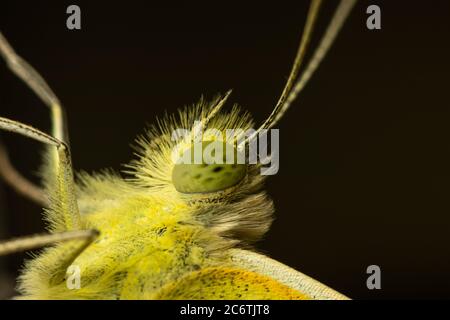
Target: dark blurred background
(364, 168)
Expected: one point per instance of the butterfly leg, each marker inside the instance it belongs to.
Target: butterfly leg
(40, 240)
(63, 213)
(31, 77)
(20, 184)
(78, 240)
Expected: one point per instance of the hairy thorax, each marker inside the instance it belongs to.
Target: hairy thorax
(145, 243)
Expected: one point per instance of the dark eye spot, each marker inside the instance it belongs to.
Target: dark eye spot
(217, 169)
(161, 231)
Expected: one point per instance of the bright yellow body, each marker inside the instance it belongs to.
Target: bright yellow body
(147, 242)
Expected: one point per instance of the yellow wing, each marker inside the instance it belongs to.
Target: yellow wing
(292, 278)
(219, 283)
(250, 277)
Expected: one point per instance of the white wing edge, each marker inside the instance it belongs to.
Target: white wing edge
(288, 276)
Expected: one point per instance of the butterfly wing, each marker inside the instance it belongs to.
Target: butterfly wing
(251, 276)
(277, 271)
(227, 283)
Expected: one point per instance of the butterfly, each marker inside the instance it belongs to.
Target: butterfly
(171, 229)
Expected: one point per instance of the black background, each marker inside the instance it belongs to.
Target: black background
(364, 175)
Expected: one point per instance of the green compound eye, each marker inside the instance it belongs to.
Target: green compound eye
(206, 178)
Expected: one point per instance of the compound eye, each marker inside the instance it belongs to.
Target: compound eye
(205, 177)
